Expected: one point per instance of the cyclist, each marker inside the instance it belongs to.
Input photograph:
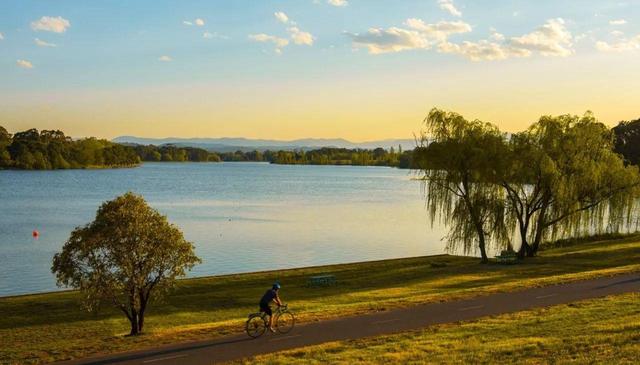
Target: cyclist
(269, 296)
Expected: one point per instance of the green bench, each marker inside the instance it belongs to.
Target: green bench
(507, 258)
(322, 280)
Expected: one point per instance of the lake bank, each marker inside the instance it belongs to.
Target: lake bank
(47, 327)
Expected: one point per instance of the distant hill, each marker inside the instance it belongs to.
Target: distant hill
(246, 144)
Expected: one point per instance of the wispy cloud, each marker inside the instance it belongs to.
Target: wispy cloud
(165, 58)
(618, 22)
(198, 21)
(448, 6)
(51, 24)
(1, 36)
(209, 35)
(267, 38)
(338, 2)
(41, 43)
(419, 35)
(281, 16)
(619, 45)
(550, 39)
(297, 36)
(300, 37)
(24, 64)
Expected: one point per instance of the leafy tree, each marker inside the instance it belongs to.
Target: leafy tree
(456, 158)
(128, 254)
(5, 137)
(567, 179)
(627, 140)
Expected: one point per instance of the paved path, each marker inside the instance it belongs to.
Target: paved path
(398, 320)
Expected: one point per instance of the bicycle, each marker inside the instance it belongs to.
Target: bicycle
(283, 319)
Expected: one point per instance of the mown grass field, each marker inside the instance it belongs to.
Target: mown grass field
(47, 327)
(597, 331)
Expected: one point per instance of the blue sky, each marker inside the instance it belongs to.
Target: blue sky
(401, 56)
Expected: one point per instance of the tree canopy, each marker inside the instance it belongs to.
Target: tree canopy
(456, 159)
(560, 177)
(127, 254)
(51, 149)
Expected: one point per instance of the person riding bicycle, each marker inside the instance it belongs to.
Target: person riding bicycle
(269, 296)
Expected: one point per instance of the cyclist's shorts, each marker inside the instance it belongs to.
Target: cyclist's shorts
(266, 309)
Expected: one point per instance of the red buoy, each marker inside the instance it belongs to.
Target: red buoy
(35, 233)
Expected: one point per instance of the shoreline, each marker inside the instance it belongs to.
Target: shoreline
(250, 273)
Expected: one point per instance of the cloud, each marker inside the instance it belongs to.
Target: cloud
(476, 51)
(617, 33)
(1, 36)
(496, 36)
(300, 37)
(419, 36)
(281, 16)
(199, 22)
(620, 45)
(618, 22)
(165, 58)
(41, 43)
(338, 2)
(51, 24)
(186, 22)
(266, 38)
(550, 39)
(209, 35)
(24, 64)
(448, 6)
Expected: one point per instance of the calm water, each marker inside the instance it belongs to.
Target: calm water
(241, 216)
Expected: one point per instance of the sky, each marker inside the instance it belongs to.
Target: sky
(355, 69)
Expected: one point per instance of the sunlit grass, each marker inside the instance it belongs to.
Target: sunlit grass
(596, 331)
(47, 327)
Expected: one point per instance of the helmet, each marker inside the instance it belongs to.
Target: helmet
(276, 286)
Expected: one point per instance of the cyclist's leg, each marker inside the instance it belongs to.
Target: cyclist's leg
(267, 311)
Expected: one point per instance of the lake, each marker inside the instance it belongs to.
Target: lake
(241, 217)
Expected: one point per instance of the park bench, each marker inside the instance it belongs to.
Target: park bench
(322, 280)
(507, 258)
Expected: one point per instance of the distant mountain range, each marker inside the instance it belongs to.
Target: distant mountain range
(246, 144)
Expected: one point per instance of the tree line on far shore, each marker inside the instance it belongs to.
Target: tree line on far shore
(562, 177)
(52, 150)
(321, 156)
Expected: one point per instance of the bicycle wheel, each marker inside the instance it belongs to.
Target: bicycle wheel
(255, 326)
(285, 322)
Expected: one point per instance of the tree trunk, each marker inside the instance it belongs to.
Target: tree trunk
(483, 251)
(135, 329)
(540, 227)
(524, 246)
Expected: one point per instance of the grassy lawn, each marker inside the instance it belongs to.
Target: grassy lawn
(47, 327)
(596, 331)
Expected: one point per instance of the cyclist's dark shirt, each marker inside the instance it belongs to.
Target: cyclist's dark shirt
(268, 296)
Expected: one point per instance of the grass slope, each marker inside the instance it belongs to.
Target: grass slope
(47, 327)
(589, 332)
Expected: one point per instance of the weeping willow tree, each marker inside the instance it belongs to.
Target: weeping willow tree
(564, 179)
(456, 158)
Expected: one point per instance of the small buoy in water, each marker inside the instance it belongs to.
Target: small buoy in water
(35, 233)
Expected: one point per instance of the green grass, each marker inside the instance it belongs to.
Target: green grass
(47, 327)
(596, 331)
